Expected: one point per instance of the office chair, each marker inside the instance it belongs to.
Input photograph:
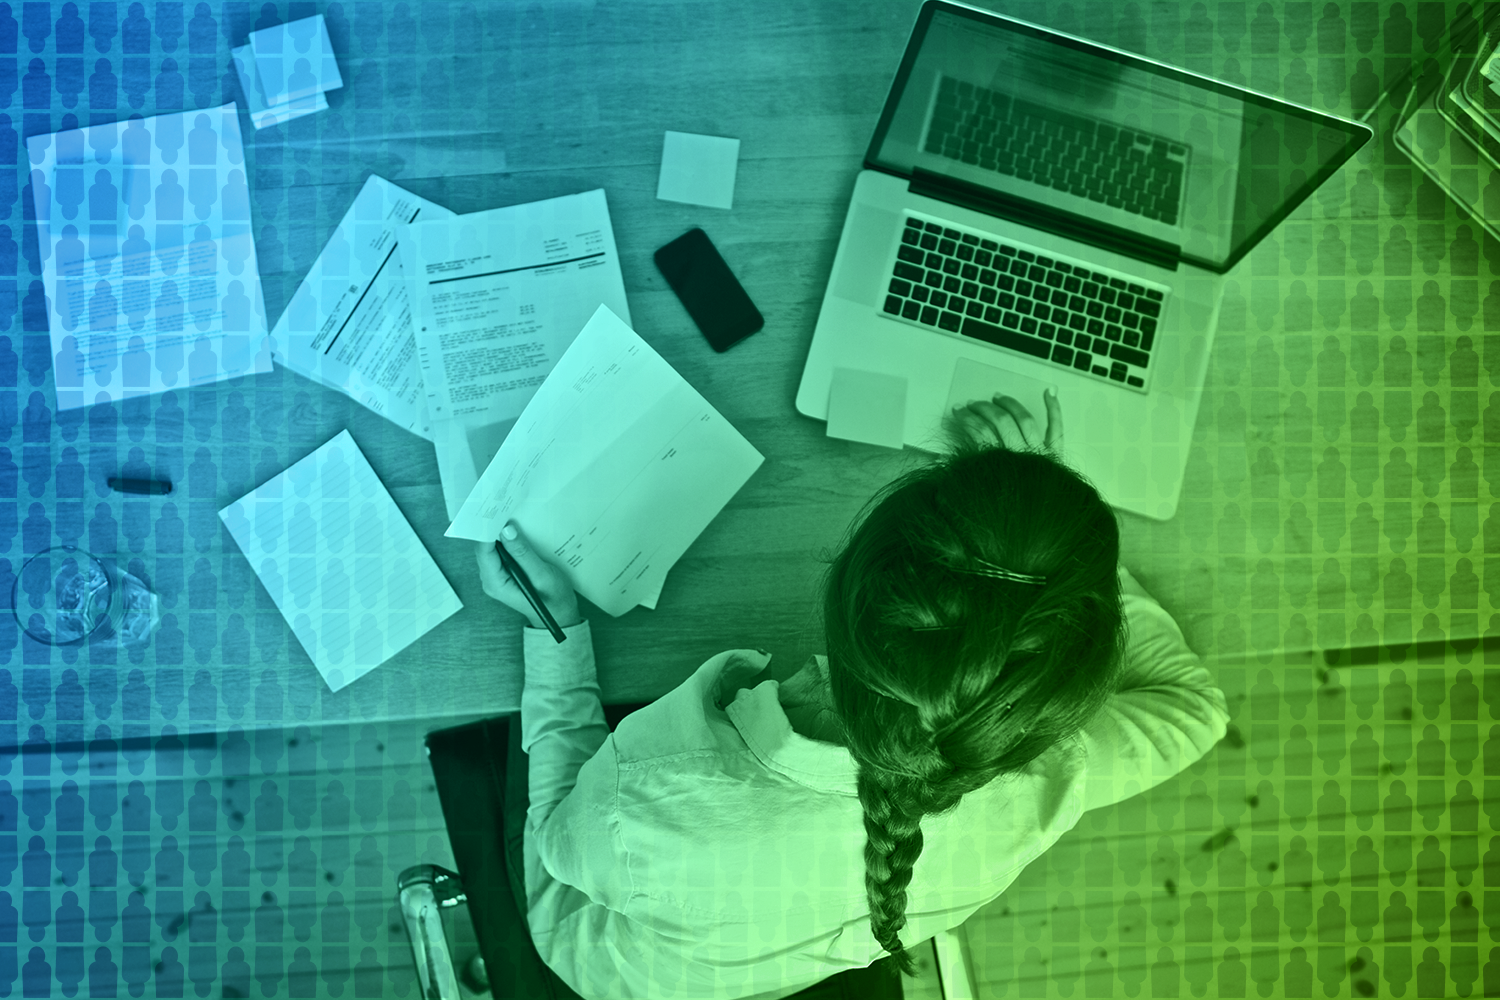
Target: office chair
(471, 765)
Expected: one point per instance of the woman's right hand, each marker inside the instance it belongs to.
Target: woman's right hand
(1005, 422)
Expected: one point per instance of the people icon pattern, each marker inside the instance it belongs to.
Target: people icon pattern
(202, 817)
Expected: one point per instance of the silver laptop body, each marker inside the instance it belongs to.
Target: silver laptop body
(1040, 210)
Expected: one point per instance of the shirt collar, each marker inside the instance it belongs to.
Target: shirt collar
(757, 714)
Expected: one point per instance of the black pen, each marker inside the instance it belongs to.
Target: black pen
(147, 486)
(519, 575)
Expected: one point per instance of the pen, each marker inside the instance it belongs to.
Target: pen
(519, 575)
(138, 486)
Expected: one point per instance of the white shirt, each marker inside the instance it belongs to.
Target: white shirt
(701, 851)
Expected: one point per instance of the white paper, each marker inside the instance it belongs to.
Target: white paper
(263, 115)
(348, 324)
(698, 169)
(496, 298)
(340, 561)
(295, 60)
(143, 228)
(615, 468)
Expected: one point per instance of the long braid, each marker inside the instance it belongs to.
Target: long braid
(894, 843)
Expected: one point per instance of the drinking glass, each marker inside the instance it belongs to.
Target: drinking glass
(64, 596)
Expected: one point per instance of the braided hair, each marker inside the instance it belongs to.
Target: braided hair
(944, 678)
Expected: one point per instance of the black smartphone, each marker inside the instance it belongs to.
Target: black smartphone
(708, 290)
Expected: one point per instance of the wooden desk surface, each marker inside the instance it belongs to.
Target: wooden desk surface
(572, 96)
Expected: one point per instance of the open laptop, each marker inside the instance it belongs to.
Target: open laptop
(1040, 210)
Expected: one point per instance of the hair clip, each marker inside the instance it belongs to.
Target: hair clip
(1001, 573)
(930, 628)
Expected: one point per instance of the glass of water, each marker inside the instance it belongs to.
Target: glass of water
(64, 596)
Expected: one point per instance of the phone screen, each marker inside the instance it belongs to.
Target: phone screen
(708, 290)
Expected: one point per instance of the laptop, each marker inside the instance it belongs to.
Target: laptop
(1038, 210)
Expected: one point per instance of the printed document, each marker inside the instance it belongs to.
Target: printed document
(143, 228)
(340, 561)
(616, 466)
(348, 324)
(496, 298)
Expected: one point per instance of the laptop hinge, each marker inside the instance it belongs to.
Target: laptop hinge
(1027, 213)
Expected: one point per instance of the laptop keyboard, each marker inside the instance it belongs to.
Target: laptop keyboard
(1117, 166)
(1053, 310)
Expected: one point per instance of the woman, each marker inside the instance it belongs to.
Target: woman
(991, 673)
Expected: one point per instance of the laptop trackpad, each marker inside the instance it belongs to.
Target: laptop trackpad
(973, 380)
(867, 250)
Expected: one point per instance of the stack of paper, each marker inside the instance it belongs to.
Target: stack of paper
(343, 566)
(285, 71)
(348, 325)
(616, 466)
(147, 257)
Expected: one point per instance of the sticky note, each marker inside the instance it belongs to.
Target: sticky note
(867, 407)
(295, 60)
(698, 169)
(261, 114)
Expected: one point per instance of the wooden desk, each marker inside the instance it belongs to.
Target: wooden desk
(568, 97)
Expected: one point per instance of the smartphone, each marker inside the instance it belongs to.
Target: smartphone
(708, 290)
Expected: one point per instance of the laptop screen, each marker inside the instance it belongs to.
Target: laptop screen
(1102, 135)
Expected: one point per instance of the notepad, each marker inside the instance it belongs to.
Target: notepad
(340, 561)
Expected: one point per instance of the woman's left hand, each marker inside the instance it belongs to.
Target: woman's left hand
(547, 579)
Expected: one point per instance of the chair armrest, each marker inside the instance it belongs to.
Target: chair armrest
(423, 892)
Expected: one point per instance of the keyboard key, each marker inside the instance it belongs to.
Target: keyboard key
(1005, 300)
(1083, 342)
(1136, 290)
(1093, 310)
(1010, 320)
(1007, 338)
(1042, 312)
(1077, 303)
(952, 284)
(932, 227)
(1090, 290)
(950, 321)
(1019, 268)
(1062, 355)
(911, 254)
(992, 315)
(1100, 370)
(1078, 321)
(969, 290)
(939, 299)
(983, 257)
(907, 271)
(1148, 308)
(1132, 339)
(987, 296)
(1023, 306)
(1112, 332)
(914, 224)
(965, 252)
(1047, 330)
(929, 315)
(969, 272)
(986, 277)
(1129, 355)
(1117, 372)
(1064, 268)
(1117, 284)
(1037, 273)
(1083, 361)
(1064, 335)
(1131, 320)
(1107, 296)
(1147, 339)
(951, 234)
(971, 239)
(935, 261)
(1153, 294)
(1096, 328)
(1071, 284)
(1045, 261)
(929, 241)
(1111, 315)
(951, 265)
(1135, 380)
(893, 305)
(947, 246)
(1008, 251)
(1028, 325)
(911, 236)
(899, 287)
(911, 310)
(1005, 282)
(1125, 301)
(1026, 255)
(989, 245)
(975, 309)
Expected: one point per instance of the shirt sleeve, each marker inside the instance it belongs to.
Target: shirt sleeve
(1166, 714)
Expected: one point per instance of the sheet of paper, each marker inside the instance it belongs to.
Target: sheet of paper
(262, 115)
(342, 564)
(868, 407)
(698, 169)
(295, 60)
(348, 324)
(147, 258)
(496, 299)
(616, 467)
